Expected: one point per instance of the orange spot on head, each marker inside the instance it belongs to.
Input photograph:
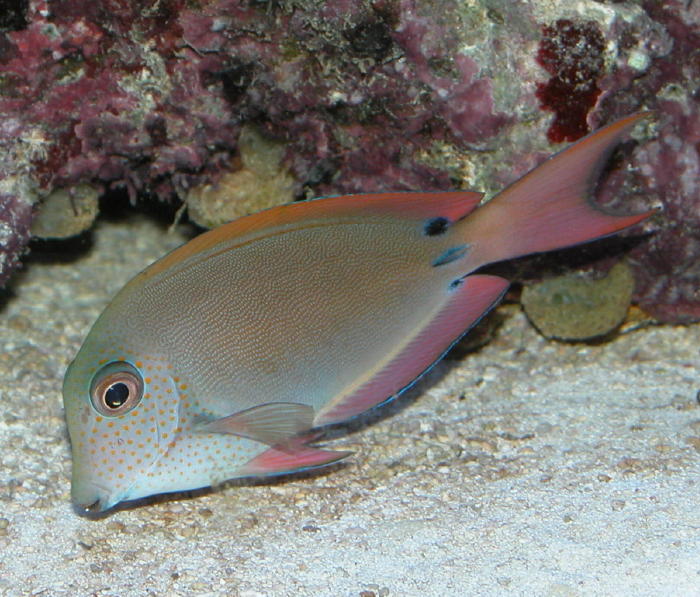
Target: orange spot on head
(183, 386)
(99, 419)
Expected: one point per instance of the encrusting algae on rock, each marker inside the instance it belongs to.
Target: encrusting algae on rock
(66, 212)
(261, 181)
(574, 307)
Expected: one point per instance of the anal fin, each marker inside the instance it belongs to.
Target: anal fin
(466, 302)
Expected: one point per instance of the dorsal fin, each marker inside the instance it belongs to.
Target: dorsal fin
(453, 205)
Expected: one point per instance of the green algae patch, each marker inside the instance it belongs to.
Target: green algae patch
(573, 307)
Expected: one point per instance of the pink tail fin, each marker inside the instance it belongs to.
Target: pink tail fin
(550, 207)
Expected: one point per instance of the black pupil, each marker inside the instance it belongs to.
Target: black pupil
(116, 395)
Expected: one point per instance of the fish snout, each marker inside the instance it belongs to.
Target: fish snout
(91, 498)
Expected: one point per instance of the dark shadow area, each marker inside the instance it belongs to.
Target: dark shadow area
(600, 254)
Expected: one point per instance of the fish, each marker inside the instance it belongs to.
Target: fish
(227, 357)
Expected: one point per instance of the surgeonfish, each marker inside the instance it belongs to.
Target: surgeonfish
(225, 357)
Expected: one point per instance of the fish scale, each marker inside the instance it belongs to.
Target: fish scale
(223, 358)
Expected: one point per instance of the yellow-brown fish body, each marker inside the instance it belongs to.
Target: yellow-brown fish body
(220, 359)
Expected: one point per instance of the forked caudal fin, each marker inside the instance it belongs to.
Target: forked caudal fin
(550, 207)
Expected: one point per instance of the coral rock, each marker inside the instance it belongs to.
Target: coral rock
(573, 307)
(66, 213)
(261, 182)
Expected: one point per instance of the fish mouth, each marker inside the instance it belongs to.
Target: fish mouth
(92, 509)
(92, 500)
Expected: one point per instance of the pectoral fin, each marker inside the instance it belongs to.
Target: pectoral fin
(291, 457)
(272, 423)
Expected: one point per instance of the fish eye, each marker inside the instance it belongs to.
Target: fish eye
(116, 389)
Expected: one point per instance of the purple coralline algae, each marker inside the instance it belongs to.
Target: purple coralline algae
(360, 97)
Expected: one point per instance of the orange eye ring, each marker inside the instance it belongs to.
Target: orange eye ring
(116, 389)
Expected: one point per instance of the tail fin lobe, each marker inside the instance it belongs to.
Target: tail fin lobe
(550, 207)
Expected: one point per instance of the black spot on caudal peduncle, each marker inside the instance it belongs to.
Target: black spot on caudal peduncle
(435, 226)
